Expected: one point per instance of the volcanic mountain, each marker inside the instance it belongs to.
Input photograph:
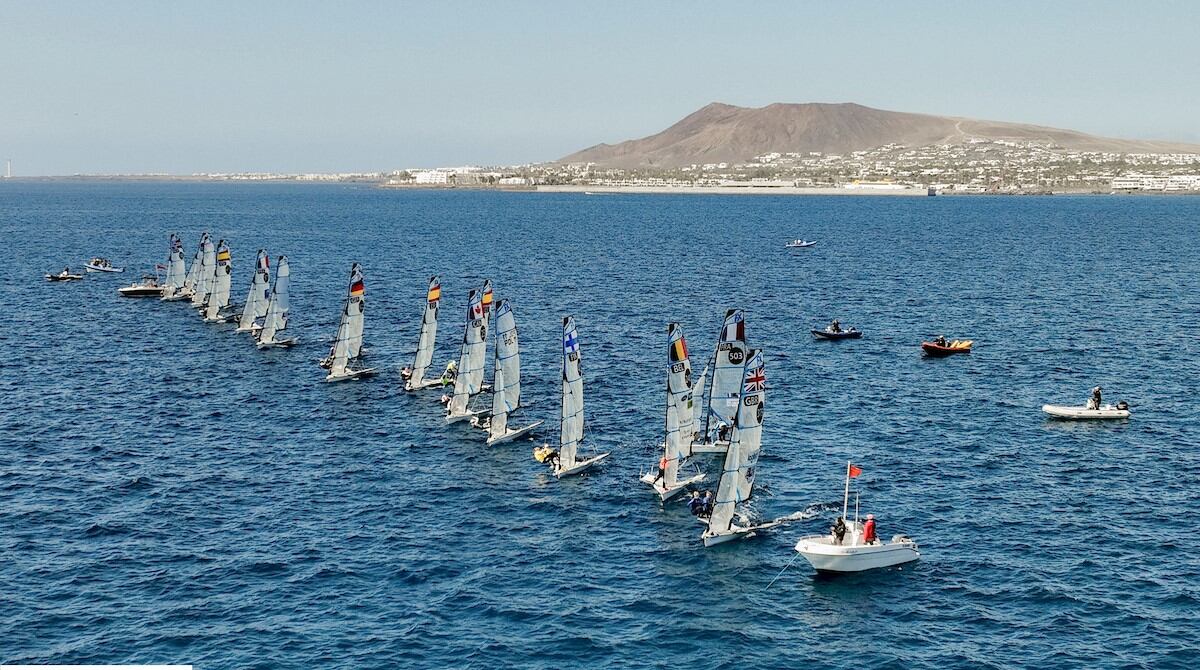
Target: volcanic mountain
(719, 133)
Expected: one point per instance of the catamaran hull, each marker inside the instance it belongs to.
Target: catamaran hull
(580, 466)
(514, 434)
(349, 374)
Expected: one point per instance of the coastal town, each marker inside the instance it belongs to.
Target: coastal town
(974, 167)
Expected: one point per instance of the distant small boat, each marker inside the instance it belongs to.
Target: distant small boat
(847, 334)
(571, 418)
(102, 265)
(800, 244)
(275, 322)
(65, 275)
(148, 287)
(1118, 411)
(345, 358)
(955, 347)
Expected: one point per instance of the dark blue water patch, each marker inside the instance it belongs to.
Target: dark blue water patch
(168, 493)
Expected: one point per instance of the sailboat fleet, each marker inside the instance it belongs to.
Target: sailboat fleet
(709, 429)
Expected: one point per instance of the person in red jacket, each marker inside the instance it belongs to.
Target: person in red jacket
(869, 530)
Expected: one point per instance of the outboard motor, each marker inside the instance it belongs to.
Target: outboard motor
(1122, 405)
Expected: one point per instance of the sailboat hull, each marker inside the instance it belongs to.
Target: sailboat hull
(423, 384)
(580, 466)
(666, 493)
(350, 374)
(514, 434)
(710, 447)
(279, 344)
(455, 418)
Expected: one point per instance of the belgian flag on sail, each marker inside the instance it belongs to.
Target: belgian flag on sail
(679, 350)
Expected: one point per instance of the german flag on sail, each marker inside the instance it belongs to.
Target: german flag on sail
(679, 350)
(356, 284)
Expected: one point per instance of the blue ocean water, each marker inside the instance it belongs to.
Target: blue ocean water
(170, 494)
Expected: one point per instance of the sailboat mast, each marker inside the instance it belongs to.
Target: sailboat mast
(846, 495)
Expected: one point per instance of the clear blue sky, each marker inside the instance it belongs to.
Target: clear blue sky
(337, 86)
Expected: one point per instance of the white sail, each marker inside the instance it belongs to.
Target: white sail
(677, 444)
(729, 362)
(222, 282)
(469, 380)
(571, 418)
(259, 296)
(205, 273)
(690, 424)
(508, 354)
(428, 338)
(348, 346)
(745, 444)
(498, 423)
(478, 362)
(173, 283)
(275, 322)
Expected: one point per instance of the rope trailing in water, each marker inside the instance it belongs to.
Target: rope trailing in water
(789, 564)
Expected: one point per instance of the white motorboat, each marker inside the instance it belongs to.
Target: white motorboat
(345, 359)
(102, 265)
(65, 275)
(800, 244)
(853, 551)
(426, 341)
(680, 424)
(506, 387)
(471, 361)
(276, 320)
(148, 287)
(851, 555)
(1073, 413)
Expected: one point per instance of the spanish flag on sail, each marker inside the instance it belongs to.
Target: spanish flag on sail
(679, 350)
(435, 290)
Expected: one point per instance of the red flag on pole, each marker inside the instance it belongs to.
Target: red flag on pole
(855, 471)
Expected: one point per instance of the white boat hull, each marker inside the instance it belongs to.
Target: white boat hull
(1083, 413)
(93, 268)
(825, 556)
(349, 374)
(279, 344)
(424, 384)
(735, 533)
(140, 292)
(514, 434)
(455, 418)
(62, 278)
(177, 297)
(718, 447)
(580, 466)
(665, 493)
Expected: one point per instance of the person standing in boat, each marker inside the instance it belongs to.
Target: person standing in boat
(662, 472)
(869, 530)
(839, 530)
(1094, 402)
(941, 341)
(835, 327)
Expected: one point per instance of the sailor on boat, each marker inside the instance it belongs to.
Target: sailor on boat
(839, 530)
(941, 341)
(406, 373)
(546, 454)
(1094, 401)
(835, 327)
(451, 373)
